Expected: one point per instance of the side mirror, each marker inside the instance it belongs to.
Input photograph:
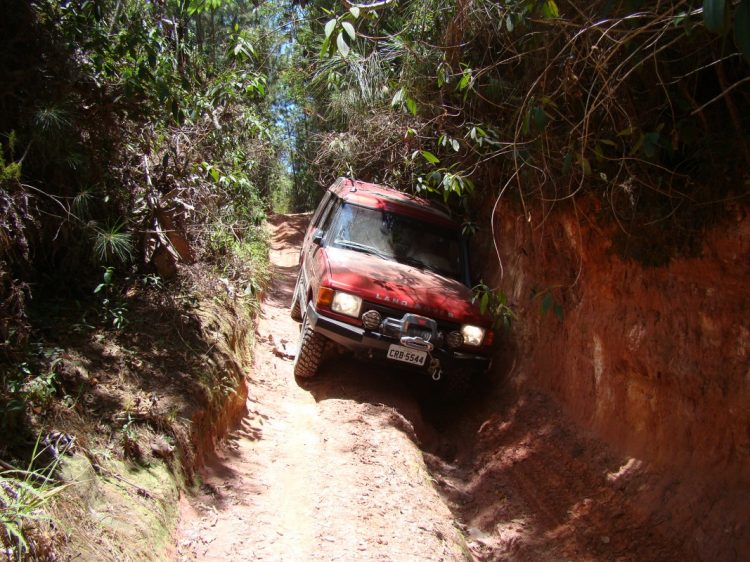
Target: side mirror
(318, 237)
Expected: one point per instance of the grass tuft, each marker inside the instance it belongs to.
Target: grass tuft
(24, 495)
(112, 244)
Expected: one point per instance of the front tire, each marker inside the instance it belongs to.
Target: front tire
(310, 355)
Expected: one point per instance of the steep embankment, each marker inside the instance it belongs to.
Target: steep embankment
(652, 359)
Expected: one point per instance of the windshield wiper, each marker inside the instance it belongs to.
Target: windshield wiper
(361, 248)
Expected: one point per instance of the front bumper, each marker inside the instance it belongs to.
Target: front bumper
(374, 345)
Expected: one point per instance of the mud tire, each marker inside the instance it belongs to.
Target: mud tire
(312, 346)
(295, 310)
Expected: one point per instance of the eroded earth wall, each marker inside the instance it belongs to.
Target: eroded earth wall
(654, 359)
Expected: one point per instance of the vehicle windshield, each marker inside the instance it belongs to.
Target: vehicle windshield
(398, 237)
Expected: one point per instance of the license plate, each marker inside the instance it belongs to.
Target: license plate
(401, 353)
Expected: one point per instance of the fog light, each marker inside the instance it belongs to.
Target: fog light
(454, 340)
(371, 319)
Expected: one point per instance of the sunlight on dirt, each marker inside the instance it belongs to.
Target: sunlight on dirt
(308, 475)
(360, 463)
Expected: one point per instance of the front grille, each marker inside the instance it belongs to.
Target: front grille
(391, 326)
(415, 331)
(389, 312)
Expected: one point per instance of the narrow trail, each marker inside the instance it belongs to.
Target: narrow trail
(345, 467)
(315, 473)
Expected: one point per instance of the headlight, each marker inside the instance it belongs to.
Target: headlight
(347, 304)
(473, 335)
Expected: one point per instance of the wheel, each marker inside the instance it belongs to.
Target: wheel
(296, 310)
(310, 355)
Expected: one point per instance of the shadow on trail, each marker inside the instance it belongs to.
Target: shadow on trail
(218, 464)
(280, 293)
(440, 425)
(520, 480)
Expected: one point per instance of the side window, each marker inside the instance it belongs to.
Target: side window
(330, 213)
(320, 211)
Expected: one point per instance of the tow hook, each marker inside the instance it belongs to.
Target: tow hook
(435, 371)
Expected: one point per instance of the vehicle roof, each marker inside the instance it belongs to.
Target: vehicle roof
(382, 197)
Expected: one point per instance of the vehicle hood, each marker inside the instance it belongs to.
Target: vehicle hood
(402, 286)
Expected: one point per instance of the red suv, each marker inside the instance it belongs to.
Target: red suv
(386, 275)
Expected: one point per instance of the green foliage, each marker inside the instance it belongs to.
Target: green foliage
(444, 182)
(123, 100)
(612, 100)
(12, 170)
(494, 302)
(429, 157)
(14, 398)
(548, 9)
(112, 108)
(113, 244)
(200, 6)
(465, 81)
(282, 192)
(547, 302)
(9, 172)
(240, 191)
(244, 259)
(112, 310)
(24, 494)
(39, 390)
(27, 385)
(339, 32)
(107, 281)
(403, 100)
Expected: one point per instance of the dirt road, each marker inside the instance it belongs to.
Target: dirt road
(327, 472)
(358, 464)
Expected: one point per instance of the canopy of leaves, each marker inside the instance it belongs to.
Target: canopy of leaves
(636, 103)
(105, 107)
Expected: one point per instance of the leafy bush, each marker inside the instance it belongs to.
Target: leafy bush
(539, 100)
(110, 107)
